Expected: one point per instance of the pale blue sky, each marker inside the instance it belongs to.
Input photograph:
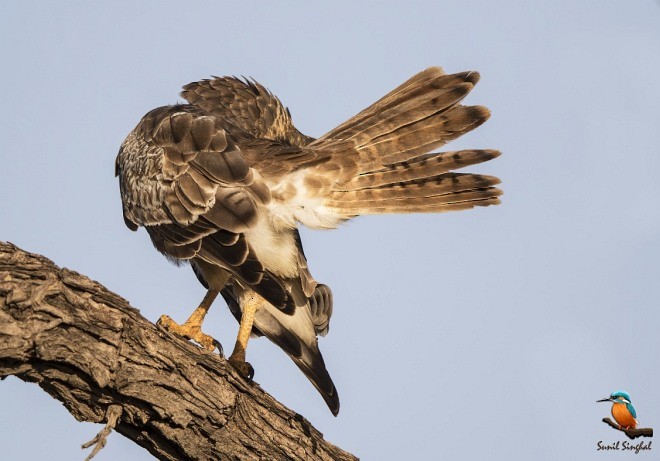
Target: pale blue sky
(487, 334)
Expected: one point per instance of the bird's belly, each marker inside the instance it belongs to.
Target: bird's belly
(275, 248)
(623, 416)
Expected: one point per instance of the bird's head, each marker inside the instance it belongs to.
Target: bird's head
(617, 397)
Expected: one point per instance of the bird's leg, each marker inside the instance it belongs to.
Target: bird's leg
(237, 358)
(192, 328)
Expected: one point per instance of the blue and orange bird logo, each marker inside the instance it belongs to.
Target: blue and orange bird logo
(625, 415)
(622, 409)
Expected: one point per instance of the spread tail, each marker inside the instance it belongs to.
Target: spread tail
(381, 158)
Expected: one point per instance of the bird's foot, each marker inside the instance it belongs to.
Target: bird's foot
(243, 367)
(190, 331)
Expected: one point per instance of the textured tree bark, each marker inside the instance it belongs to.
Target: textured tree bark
(88, 348)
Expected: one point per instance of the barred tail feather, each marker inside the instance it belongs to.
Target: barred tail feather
(360, 124)
(381, 157)
(424, 166)
(456, 202)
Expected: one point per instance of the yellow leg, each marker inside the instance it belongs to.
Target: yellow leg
(192, 328)
(237, 358)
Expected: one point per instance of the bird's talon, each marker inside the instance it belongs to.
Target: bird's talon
(205, 341)
(217, 345)
(166, 322)
(244, 368)
(188, 331)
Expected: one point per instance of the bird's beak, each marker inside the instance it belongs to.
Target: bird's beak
(606, 399)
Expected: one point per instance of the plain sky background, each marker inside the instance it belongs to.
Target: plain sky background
(487, 334)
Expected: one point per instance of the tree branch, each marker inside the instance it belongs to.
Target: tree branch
(99, 441)
(631, 433)
(88, 348)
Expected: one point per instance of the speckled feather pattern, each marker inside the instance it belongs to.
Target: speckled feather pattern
(224, 181)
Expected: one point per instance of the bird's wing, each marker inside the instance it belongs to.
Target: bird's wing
(379, 162)
(306, 292)
(320, 304)
(246, 105)
(376, 162)
(295, 334)
(184, 179)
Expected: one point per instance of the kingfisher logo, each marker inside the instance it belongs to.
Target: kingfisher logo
(625, 420)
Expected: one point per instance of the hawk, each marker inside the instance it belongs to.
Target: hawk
(223, 181)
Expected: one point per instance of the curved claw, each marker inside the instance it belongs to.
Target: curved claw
(217, 345)
(244, 368)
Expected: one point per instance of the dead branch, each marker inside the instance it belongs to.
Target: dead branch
(88, 348)
(631, 433)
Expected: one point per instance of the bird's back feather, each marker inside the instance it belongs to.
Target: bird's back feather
(224, 181)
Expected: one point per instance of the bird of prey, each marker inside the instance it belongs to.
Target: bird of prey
(223, 181)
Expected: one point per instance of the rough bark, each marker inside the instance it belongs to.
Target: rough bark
(631, 433)
(88, 348)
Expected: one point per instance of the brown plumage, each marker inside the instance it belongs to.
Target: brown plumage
(223, 182)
